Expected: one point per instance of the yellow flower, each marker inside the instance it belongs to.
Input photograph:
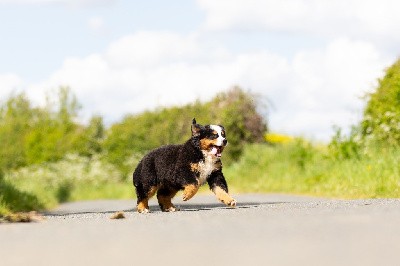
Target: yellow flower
(274, 138)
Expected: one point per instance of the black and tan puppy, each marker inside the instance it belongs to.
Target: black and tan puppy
(186, 167)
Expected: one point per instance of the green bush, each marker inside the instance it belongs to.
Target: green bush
(284, 169)
(236, 110)
(13, 199)
(72, 178)
(346, 147)
(32, 135)
(16, 117)
(381, 120)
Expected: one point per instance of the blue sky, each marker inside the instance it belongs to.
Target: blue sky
(313, 60)
(36, 38)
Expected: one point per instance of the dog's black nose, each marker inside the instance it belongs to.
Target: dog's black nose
(225, 141)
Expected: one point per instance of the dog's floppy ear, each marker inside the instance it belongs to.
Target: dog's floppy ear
(196, 128)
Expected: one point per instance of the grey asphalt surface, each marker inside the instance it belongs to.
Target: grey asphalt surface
(262, 230)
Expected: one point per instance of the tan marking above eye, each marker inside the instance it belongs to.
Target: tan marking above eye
(205, 144)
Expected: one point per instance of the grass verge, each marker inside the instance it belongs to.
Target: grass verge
(301, 168)
(44, 186)
(295, 167)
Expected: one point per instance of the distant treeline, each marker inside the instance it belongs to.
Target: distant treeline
(32, 135)
(36, 134)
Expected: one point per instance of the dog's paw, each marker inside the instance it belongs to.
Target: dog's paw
(171, 209)
(143, 210)
(229, 202)
(143, 207)
(232, 203)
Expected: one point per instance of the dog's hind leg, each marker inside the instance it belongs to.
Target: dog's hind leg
(164, 196)
(144, 180)
(143, 199)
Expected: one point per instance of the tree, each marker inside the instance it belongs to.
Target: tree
(55, 131)
(90, 139)
(381, 120)
(31, 135)
(236, 109)
(16, 117)
(240, 115)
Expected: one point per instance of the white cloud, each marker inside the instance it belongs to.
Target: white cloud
(146, 49)
(9, 82)
(68, 3)
(311, 92)
(148, 69)
(311, 89)
(96, 24)
(325, 88)
(368, 19)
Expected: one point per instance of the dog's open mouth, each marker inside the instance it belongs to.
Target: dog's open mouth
(217, 150)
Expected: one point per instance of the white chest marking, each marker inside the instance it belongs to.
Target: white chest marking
(206, 168)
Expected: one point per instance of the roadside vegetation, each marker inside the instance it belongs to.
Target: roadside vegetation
(48, 157)
(302, 168)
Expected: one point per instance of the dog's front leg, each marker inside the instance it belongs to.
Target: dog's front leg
(219, 186)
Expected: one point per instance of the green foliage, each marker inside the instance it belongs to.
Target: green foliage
(238, 112)
(55, 133)
(235, 109)
(381, 120)
(13, 199)
(49, 158)
(266, 168)
(89, 140)
(301, 152)
(64, 190)
(72, 178)
(16, 117)
(32, 135)
(346, 147)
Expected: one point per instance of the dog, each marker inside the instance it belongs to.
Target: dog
(171, 168)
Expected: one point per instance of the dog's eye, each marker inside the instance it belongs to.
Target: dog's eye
(215, 136)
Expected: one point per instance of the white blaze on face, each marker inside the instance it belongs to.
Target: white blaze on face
(220, 139)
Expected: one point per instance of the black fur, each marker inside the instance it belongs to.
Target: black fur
(171, 168)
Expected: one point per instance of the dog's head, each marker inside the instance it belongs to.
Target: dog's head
(211, 139)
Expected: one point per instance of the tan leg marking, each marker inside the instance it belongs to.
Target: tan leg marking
(189, 191)
(224, 197)
(143, 206)
(166, 204)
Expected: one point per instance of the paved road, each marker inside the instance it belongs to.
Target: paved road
(262, 230)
